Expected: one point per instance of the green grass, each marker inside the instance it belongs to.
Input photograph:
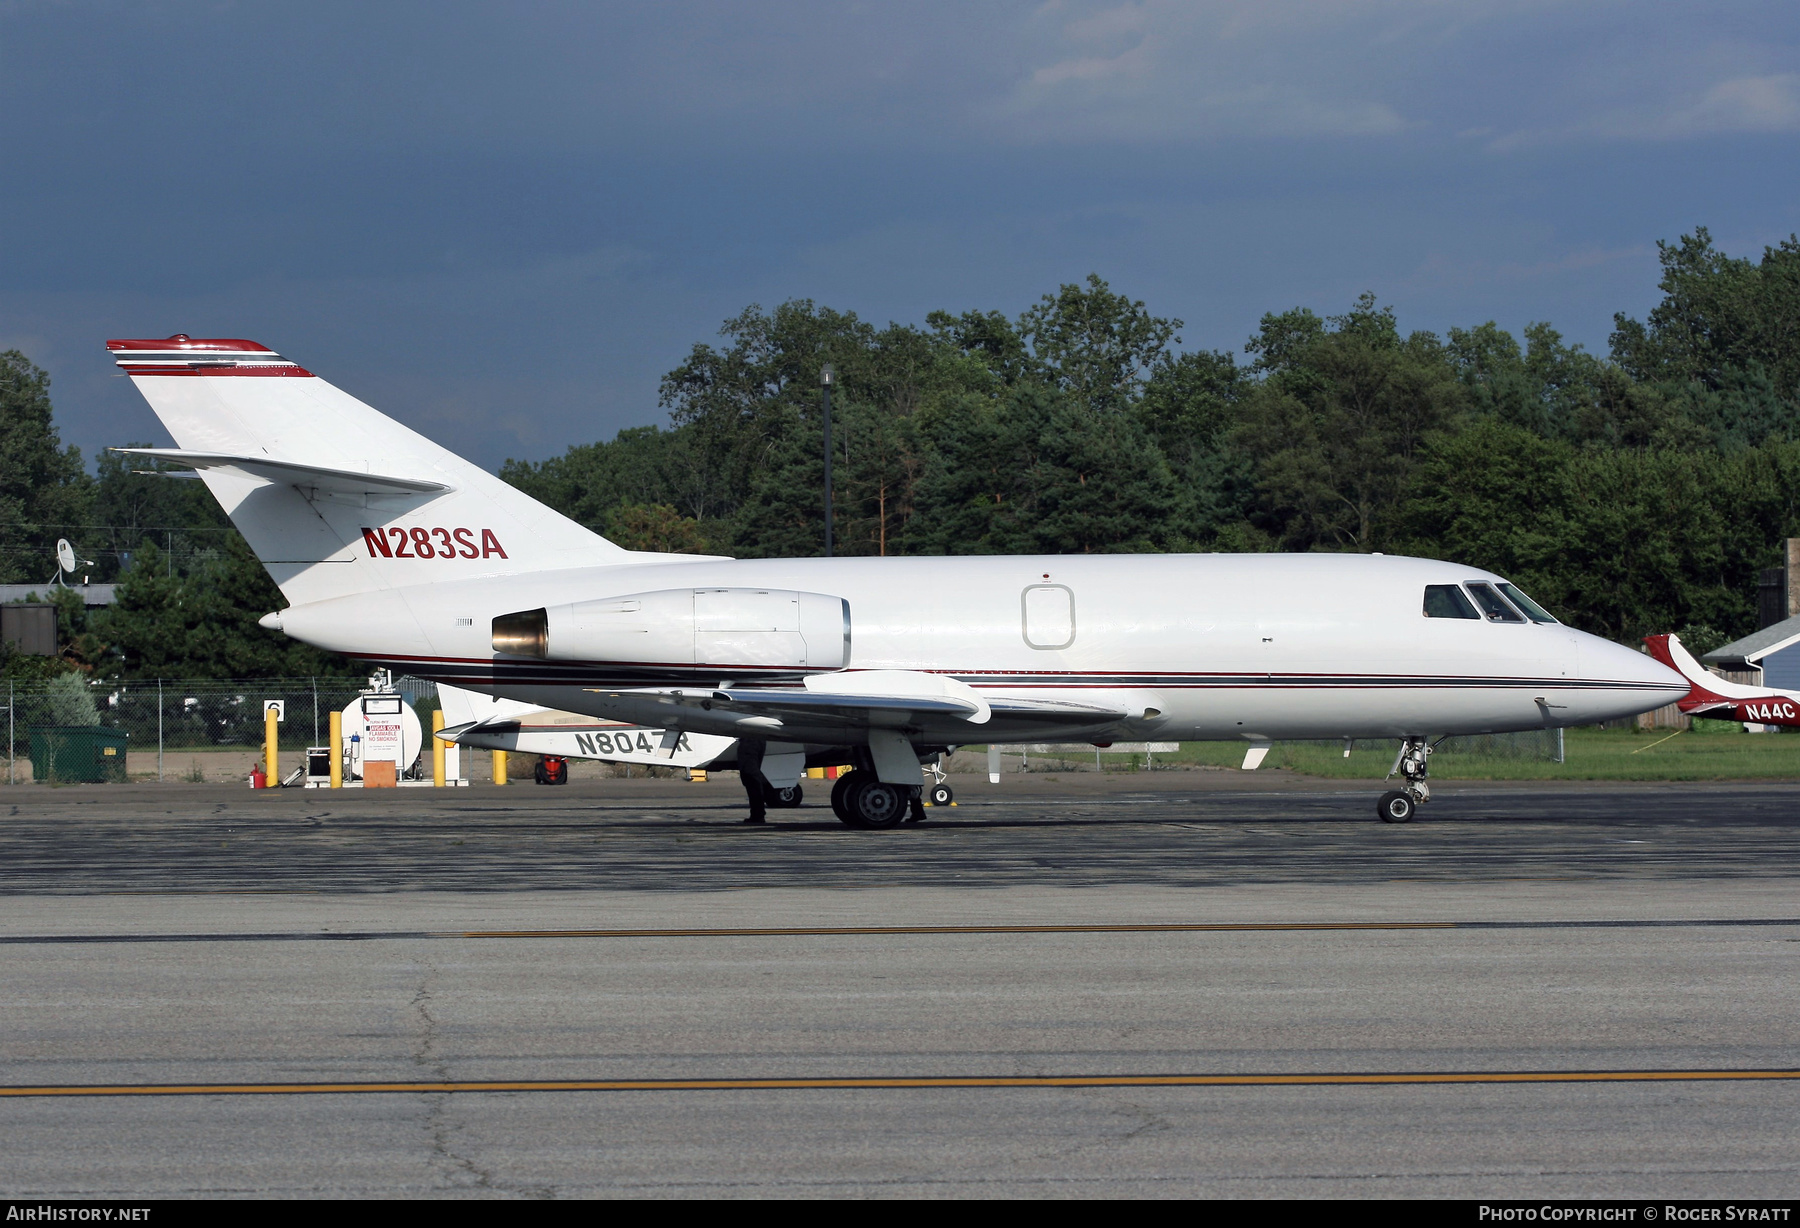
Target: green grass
(1712, 750)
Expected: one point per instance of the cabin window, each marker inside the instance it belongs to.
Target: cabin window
(1493, 605)
(1447, 601)
(1535, 612)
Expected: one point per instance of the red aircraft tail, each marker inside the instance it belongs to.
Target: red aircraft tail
(1668, 649)
(1711, 696)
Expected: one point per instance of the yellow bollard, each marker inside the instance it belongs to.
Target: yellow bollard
(337, 750)
(499, 767)
(271, 749)
(437, 749)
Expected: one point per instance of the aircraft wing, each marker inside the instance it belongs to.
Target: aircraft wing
(947, 713)
(1057, 710)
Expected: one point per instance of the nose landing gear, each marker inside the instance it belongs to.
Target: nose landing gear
(1395, 807)
(1413, 762)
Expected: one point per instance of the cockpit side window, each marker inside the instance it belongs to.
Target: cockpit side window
(1535, 612)
(1492, 605)
(1447, 601)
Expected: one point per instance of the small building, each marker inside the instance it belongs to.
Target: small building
(29, 628)
(28, 617)
(1770, 658)
(92, 595)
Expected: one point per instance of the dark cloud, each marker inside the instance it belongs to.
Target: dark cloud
(502, 223)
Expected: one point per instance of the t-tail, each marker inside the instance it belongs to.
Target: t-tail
(334, 497)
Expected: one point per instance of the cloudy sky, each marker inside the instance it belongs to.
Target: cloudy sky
(502, 223)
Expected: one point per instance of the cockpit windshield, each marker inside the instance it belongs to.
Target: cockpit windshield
(1447, 601)
(1492, 605)
(1535, 612)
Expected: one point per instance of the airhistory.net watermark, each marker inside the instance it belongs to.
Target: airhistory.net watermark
(63, 1213)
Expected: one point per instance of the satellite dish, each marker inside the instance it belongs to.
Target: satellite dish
(65, 554)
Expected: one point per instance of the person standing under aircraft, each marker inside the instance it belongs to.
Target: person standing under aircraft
(756, 785)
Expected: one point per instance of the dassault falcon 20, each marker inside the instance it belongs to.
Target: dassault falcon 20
(393, 550)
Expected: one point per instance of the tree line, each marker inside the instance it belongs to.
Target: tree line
(1631, 492)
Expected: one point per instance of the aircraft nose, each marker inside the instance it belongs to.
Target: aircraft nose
(1623, 681)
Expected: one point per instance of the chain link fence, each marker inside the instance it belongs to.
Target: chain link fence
(1545, 745)
(212, 730)
(1541, 745)
(189, 730)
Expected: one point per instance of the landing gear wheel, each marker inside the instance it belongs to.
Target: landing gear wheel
(939, 795)
(784, 799)
(841, 790)
(1395, 807)
(873, 804)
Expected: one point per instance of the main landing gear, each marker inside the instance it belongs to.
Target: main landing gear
(1413, 762)
(861, 800)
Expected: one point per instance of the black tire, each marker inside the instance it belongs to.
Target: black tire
(845, 783)
(875, 805)
(785, 799)
(1395, 807)
(939, 795)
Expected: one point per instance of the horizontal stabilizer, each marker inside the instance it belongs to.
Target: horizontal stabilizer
(306, 477)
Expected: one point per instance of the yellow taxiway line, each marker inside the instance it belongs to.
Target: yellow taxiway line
(852, 930)
(1389, 1079)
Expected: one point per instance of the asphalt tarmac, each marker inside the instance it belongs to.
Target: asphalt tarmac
(1173, 984)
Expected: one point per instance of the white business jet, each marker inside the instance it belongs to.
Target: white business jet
(395, 551)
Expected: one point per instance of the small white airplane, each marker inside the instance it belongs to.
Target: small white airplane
(395, 551)
(488, 722)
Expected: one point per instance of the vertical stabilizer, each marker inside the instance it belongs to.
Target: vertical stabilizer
(1705, 687)
(333, 496)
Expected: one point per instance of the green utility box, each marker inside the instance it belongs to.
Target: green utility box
(77, 754)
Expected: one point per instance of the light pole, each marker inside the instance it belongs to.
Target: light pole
(826, 376)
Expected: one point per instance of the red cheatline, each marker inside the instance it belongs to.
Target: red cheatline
(1388, 1079)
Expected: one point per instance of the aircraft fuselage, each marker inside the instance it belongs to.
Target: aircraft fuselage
(1190, 647)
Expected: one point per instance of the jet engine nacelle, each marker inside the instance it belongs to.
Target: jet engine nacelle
(687, 626)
